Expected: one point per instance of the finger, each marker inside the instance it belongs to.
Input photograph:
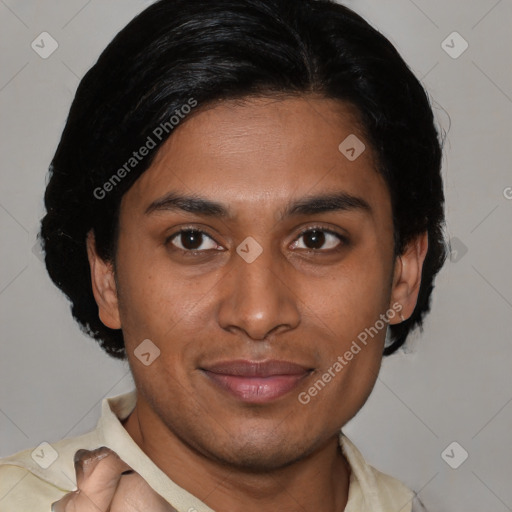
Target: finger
(62, 504)
(134, 494)
(98, 473)
(93, 466)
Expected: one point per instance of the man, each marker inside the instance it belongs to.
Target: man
(246, 203)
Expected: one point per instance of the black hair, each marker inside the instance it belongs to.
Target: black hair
(195, 52)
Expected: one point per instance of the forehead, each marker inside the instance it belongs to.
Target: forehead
(264, 151)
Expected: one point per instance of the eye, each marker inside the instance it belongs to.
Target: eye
(192, 240)
(316, 238)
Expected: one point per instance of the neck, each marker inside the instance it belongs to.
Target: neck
(320, 481)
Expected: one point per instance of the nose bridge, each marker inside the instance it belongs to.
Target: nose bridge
(259, 276)
(257, 286)
(257, 299)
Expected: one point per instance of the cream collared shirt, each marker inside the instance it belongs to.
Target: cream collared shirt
(31, 480)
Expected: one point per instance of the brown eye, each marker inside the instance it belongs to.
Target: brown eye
(319, 239)
(314, 239)
(192, 240)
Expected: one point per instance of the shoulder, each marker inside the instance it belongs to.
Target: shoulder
(22, 491)
(371, 489)
(32, 479)
(392, 491)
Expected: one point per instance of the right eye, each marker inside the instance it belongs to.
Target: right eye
(191, 241)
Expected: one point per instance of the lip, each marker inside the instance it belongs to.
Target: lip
(257, 381)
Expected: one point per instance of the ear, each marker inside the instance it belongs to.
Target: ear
(407, 276)
(103, 286)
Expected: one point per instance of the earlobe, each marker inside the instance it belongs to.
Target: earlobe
(103, 286)
(407, 275)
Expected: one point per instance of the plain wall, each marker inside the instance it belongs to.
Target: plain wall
(454, 380)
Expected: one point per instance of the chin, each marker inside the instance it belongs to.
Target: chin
(263, 453)
(261, 461)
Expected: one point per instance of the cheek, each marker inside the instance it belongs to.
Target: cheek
(347, 315)
(338, 394)
(159, 303)
(352, 299)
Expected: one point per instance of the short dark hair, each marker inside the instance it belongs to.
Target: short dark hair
(177, 52)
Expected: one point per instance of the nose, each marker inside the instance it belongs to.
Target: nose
(258, 297)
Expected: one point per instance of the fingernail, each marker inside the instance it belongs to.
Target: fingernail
(86, 459)
(80, 454)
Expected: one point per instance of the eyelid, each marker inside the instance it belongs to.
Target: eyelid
(185, 229)
(321, 228)
(343, 238)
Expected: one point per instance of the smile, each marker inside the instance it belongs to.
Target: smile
(256, 382)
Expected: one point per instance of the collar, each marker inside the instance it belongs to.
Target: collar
(369, 489)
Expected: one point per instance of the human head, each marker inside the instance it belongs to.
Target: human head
(182, 53)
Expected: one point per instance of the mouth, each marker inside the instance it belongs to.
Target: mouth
(256, 381)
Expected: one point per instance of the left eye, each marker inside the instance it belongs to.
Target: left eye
(315, 238)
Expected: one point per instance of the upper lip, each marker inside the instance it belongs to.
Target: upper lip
(267, 368)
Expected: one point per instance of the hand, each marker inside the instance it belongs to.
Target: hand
(107, 484)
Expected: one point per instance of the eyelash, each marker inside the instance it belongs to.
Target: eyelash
(343, 239)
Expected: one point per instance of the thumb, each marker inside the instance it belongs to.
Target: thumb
(98, 473)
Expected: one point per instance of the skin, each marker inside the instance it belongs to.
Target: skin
(297, 301)
(106, 483)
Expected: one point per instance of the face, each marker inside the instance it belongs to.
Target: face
(292, 262)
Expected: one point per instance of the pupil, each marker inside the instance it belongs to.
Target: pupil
(194, 239)
(314, 239)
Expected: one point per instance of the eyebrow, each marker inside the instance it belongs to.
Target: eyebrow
(310, 205)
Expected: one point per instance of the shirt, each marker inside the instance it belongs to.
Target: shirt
(32, 479)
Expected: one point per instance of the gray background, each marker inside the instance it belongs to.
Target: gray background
(454, 381)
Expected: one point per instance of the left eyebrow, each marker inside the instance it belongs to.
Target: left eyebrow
(341, 201)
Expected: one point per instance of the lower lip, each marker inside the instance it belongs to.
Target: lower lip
(256, 389)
